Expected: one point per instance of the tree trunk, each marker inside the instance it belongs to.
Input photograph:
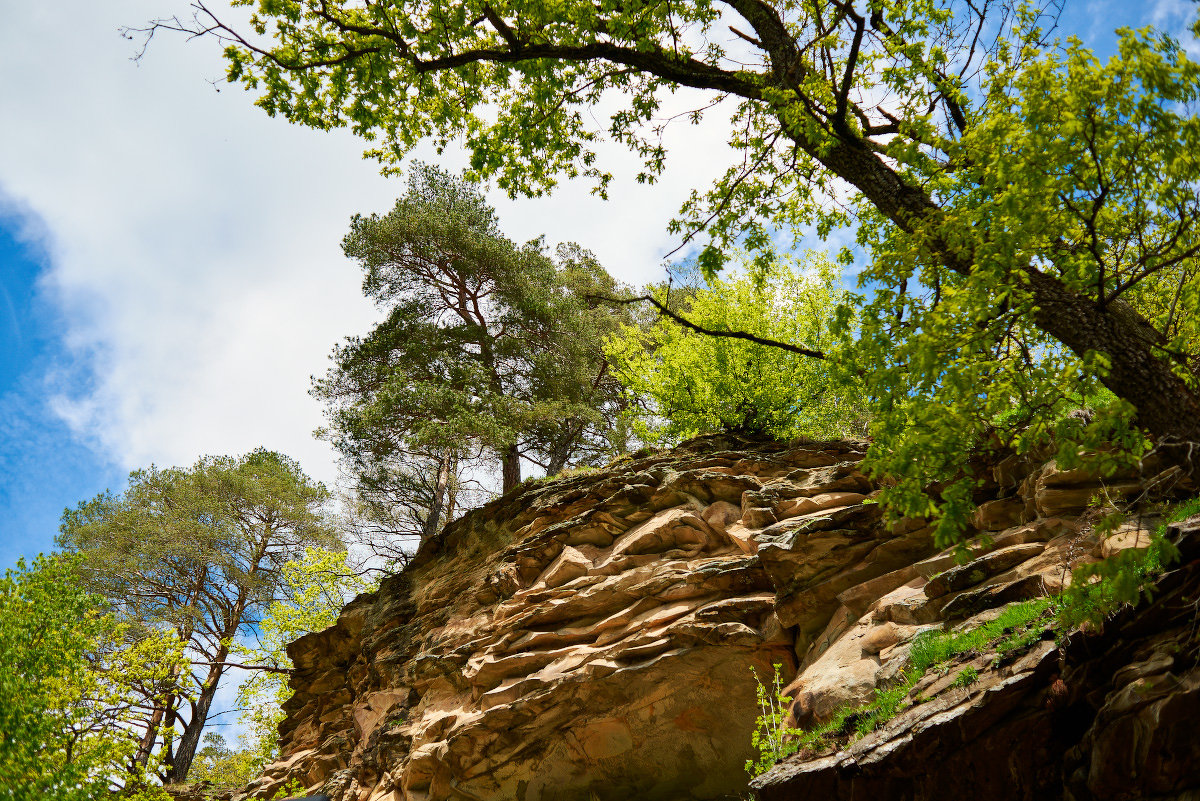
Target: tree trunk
(434, 519)
(558, 460)
(186, 752)
(511, 467)
(1139, 371)
(146, 746)
(564, 448)
(1166, 407)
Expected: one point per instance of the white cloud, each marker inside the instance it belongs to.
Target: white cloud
(195, 241)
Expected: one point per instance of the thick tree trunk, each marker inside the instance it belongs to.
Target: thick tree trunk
(511, 468)
(190, 740)
(1166, 407)
(558, 460)
(1139, 371)
(563, 449)
(433, 521)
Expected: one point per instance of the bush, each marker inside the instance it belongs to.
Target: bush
(688, 383)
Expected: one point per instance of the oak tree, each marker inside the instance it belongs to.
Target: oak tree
(1028, 211)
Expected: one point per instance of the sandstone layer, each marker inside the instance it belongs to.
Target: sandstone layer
(601, 636)
(1111, 715)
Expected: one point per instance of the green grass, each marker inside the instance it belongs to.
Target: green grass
(1121, 579)
(931, 648)
(966, 677)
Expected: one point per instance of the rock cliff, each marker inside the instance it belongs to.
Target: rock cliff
(602, 636)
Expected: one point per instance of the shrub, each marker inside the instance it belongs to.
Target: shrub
(685, 383)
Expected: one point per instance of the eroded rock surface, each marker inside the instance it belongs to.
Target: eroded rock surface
(599, 637)
(594, 637)
(1107, 716)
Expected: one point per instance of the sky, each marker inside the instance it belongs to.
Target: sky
(170, 268)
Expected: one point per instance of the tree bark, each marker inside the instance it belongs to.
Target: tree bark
(146, 745)
(434, 519)
(190, 740)
(558, 458)
(1139, 371)
(563, 449)
(511, 468)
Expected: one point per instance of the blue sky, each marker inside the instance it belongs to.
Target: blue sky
(44, 466)
(170, 276)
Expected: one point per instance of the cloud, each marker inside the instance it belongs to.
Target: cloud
(194, 241)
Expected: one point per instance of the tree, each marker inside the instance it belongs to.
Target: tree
(389, 503)
(72, 686)
(698, 383)
(223, 767)
(486, 346)
(1028, 211)
(319, 585)
(199, 552)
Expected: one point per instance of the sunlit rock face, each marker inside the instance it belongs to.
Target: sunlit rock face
(602, 636)
(1107, 714)
(599, 636)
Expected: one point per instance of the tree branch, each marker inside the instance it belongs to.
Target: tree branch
(699, 329)
(266, 668)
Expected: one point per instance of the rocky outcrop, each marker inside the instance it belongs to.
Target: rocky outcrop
(598, 636)
(1108, 716)
(1101, 716)
(602, 636)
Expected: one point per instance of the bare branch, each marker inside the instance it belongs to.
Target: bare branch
(699, 329)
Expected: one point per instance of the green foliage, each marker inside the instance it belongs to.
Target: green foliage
(1094, 193)
(290, 789)
(225, 768)
(966, 677)
(770, 735)
(886, 704)
(199, 553)
(691, 383)
(776, 741)
(70, 684)
(932, 648)
(486, 345)
(317, 585)
(993, 282)
(1101, 588)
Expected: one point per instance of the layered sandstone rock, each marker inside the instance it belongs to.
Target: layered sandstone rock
(1109, 716)
(601, 636)
(1104, 716)
(597, 637)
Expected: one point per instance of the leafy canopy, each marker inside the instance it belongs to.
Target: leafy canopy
(693, 383)
(1027, 211)
(73, 685)
(319, 585)
(1075, 172)
(200, 553)
(487, 345)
